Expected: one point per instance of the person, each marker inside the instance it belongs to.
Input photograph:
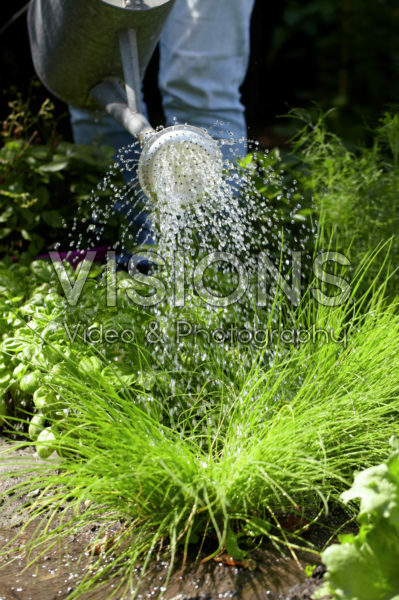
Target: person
(204, 55)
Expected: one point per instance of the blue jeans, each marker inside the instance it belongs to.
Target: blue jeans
(204, 53)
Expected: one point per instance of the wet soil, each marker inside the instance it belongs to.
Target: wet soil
(54, 574)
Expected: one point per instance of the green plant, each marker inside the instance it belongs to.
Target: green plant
(44, 184)
(366, 565)
(354, 192)
(222, 462)
(189, 441)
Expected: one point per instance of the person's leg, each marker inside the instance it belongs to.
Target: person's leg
(204, 59)
(97, 127)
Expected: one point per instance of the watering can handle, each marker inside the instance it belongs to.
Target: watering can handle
(131, 69)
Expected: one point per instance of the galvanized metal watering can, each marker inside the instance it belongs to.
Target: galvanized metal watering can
(95, 52)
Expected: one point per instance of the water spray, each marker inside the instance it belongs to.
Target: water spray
(94, 53)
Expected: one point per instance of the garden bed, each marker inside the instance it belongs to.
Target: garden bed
(180, 465)
(52, 577)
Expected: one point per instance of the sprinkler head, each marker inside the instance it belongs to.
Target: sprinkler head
(180, 164)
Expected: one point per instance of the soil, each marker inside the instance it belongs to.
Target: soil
(54, 575)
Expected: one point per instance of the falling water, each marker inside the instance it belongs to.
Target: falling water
(199, 207)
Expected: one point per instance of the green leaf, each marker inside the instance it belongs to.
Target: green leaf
(4, 232)
(364, 569)
(378, 492)
(5, 215)
(309, 570)
(366, 566)
(52, 218)
(42, 270)
(232, 547)
(393, 466)
(54, 167)
(26, 235)
(40, 152)
(306, 212)
(246, 161)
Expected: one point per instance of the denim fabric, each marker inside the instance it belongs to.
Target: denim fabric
(204, 58)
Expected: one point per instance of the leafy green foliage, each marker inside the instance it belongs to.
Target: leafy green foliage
(195, 449)
(354, 192)
(212, 440)
(366, 565)
(40, 332)
(44, 185)
(288, 218)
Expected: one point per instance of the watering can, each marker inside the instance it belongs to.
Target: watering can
(92, 53)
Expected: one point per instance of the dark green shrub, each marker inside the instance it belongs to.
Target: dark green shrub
(45, 182)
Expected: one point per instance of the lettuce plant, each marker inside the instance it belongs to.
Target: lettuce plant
(366, 565)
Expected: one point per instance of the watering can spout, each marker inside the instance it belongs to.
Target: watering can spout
(110, 95)
(82, 49)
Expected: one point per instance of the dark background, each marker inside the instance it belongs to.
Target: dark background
(329, 53)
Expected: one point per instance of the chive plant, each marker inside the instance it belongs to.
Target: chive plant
(285, 438)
